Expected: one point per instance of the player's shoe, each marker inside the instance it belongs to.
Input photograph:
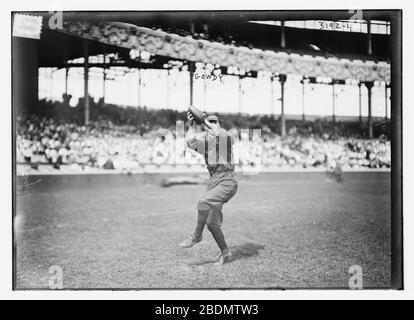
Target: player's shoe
(224, 257)
(189, 242)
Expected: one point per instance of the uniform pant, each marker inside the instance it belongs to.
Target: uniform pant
(220, 189)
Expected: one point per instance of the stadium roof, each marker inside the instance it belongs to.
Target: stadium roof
(67, 47)
(236, 26)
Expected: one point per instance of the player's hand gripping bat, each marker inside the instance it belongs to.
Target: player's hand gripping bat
(197, 116)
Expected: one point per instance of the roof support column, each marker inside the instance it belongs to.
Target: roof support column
(360, 102)
(282, 80)
(25, 67)
(66, 80)
(282, 35)
(386, 101)
(240, 95)
(139, 86)
(369, 86)
(86, 81)
(205, 94)
(333, 102)
(369, 37)
(103, 77)
(191, 66)
(271, 96)
(168, 89)
(303, 99)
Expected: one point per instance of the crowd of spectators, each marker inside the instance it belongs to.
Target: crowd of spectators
(143, 119)
(103, 144)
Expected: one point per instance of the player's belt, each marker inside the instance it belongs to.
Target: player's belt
(223, 174)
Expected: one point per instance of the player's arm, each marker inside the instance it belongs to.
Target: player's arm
(194, 141)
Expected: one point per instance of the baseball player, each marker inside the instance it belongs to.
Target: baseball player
(215, 144)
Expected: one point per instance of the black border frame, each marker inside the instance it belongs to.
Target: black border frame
(394, 15)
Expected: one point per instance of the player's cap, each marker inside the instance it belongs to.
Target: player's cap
(212, 117)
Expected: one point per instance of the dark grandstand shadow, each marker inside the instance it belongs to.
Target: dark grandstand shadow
(243, 251)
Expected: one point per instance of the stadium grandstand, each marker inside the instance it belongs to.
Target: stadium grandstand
(105, 90)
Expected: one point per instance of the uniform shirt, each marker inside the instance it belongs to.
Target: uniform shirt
(217, 151)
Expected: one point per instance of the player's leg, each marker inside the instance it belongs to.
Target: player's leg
(219, 195)
(214, 223)
(203, 211)
(210, 206)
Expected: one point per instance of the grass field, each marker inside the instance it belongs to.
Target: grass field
(286, 230)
